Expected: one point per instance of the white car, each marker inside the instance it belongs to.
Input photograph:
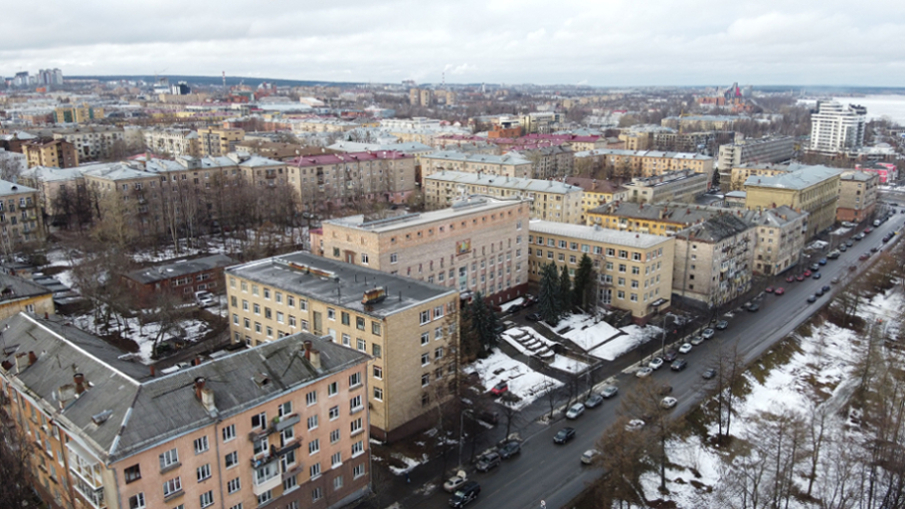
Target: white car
(588, 457)
(205, 298)
(655, 363)
(685, 348)
(575, 411)
(697, 340)
(668, 402)
(707, 333)
(455, 481)
(644, 372)
(634, 425)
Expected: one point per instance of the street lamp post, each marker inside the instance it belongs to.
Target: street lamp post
(461, 427)
(663, 336)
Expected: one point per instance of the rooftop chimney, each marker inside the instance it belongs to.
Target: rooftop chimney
(21, 362)
(79, 380)
(66, 393)
(207, 399)
(315, 359)
(199, 387)
(308, 349)
(32, 358)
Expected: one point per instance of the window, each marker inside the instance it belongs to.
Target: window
(311, 398)
(425, 338)
(172, 486)
(290, 484)
(137, 501)
(376, 350)
(375, 328)
(355, 404)
(201, 445)
(336, 460)
(355, 380)
(259, 421)
(257, 309)
(425, 317)
(169, 459)
(356, 426)
(287, 460)
(207, 499)
(303, 305)
(425, 379)
(237, 506)
(438, 353)
(267, 293)
(361, 344)
(378, 372)
(233, 485)
(265, 497)
(332, 389)
(358, 471)
(314, 446)
(312, 422)
(229, 432)
(334, 436)
(132, 474)
(337, 482)
(261, 445)
(378, 393)
(290, 301)
(231, 459)
(314, 471)
(316, 494)
(331, 314)
(357, 448)
(204, 472)
(425, 359)
(286, 436)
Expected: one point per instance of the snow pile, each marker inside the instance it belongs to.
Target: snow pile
(633, 337)
(584, 332)
(409, 463)
(506, 305)
(564, 363)
(524, 382)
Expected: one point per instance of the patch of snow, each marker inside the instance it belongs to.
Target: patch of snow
(585, 333)
(634, 336)
(524, 382)
(506, 305)
(410, 463)
(568, 364)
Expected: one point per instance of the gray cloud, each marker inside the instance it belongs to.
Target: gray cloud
(613, 42)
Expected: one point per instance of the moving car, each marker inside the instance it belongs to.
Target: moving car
(488, 461)
(668, 402)
(594, 400)
(510, 449)
(685, 348)
(609, 391)
(564, 435)
(575, 411)
(655, 363)
(634, 425)
(708, 333)
(817, 275)
(643, 372)
(708, 374)
(455, 481)
(489, 417)
(722, 325)
(500, 388)
(779, 291)
(678, 365)
(465, 494)
(588, 456)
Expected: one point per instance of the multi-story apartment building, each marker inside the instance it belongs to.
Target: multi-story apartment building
(631, 163)
(596, 193)
(53, 153)
(506, 165)
(775, 149)
(541, 122)
(781, 235)
(714, 260)
(407, 326)
(20, 220)
(676, 186)
(656, 219)
(814, 189)
(284, 423)
(180, 279)
(705, 142)
(350, 178)
(550, 200)
(738, 175)
(635, 269)
(173, 142)
(477, 245)
(857, 196)
(837, 128)
(412, 148)
(556, 161)
(216, 141)
(700, 122)
(77, 114)
(278, 151)
(49, 181)
(20, 294)
(93, 143)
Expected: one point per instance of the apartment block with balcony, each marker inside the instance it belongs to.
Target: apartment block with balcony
(781, 235)
(596, 193)
(507, 165)
(20, 220)
(476, 245)
(219, 141)
(77, 114)
(51, 153)
(342, 179)
(635, 269)
(172, 142)
(550, 200)
(408, 327)
(282, 423)
(674, 186)
(837, 128)
(94, 143)
(813, 189)
(857, 196)
(757, 151)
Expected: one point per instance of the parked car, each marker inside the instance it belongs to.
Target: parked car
(205, 298)
(817, 275)
(863, 257)
(833, 255)
(609, 391)
(779, 291)
(799, 278)
(668, 402)
(722, 325)
(489, 417)
(453, 483)
(814, 267)
(768, 289)
(488, 461)
(594, 400)
(874, 249)
(500, 389)
(634, 425)
(790, 279)
(849, 243)
(807, 273)
(655, 363)
(843, 248)
(671, 355)
(564, 435)
(852, 268)
(708, 374)
(534, 317)
(575, 411)
(819, 293)
(588, 456)
(510, 449)
(752, 307)
(643, 372)
(465, 494)
(697, 340)
(678, 365)
(685, 348)
(822, 261)
(812, 299)
(708, 333)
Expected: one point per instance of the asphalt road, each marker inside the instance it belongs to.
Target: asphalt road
(554, 473)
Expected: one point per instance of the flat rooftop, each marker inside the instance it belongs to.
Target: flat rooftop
(339, 283)
(515, 183)
(473, 204)
(598, 234)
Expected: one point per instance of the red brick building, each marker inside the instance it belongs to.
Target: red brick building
(182, 278)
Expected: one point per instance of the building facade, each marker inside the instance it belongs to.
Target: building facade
(550, 200)
(342, 179)
(77, 114)
(758, 151)
(507, 165)
(644, 163)
(180, 279)
(173, 142)
(738, 175)
(113, 434)
(813, 189)
(408, 327)
(46, 152)
(18, 295)
(596, 193)
(657, 219)
(20, 221)
(634, 270)
(219, 141)
(675, 186)
(94, 143)
(857, 196)
(837, 128)
(781, 235)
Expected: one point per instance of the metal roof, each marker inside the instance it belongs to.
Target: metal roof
(516, 183)
(598, 234)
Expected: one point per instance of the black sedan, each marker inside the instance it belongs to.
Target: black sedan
(510, 449)
(678, 365)
(534, 317)
(564, 435)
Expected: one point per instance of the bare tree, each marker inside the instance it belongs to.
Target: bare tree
(15, 460)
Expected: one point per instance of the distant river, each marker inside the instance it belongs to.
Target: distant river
(892, 106)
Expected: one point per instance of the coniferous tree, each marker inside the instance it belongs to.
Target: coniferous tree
(565, 292)
(583, 285)
(549, 294)
(484, 322)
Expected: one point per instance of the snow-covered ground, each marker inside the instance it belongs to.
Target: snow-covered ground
(506, 305)
(634, 336)
(144, 336)
(568, 364)
(409, 463)
(585, 333)
(524, 382)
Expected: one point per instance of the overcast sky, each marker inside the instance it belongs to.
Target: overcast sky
(596, 42)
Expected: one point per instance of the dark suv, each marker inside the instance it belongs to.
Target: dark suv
(465, 494)
(488, 461)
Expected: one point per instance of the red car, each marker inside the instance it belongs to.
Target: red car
(779, 291)
(799, 278)
(867, 230)
(865, 256)
(768, 289)
(790, 279)
(500, 388)
(807, 273)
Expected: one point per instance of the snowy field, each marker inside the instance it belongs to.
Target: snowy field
(524, 382)
(634, 337)
(585, 333)
(143, 336)
(568, 364)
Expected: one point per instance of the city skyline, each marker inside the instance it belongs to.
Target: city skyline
(611, 44)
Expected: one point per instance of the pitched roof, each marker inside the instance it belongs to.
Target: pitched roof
(180, 268)
(13, 288)
(8, 188)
